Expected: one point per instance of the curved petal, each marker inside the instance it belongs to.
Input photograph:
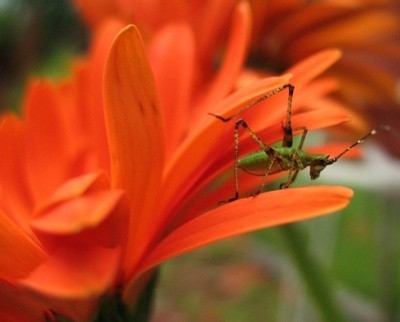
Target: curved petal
(173, 65)
(244, 215)
(98, 218)
(313, 66)
(90, 89)
(366, 26)
(20, 254)
(135, 128)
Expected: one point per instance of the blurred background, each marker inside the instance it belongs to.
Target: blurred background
(37, 37)
(256, 277)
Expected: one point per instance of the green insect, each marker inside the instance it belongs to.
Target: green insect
(271, 160)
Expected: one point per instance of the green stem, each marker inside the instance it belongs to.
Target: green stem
(318, 283)
(143, 308)
(113, 309)
(389, 248)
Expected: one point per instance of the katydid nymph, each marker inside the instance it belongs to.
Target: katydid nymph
(271, 160)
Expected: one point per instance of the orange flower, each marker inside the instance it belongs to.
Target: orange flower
(90, 204)
(366, 31)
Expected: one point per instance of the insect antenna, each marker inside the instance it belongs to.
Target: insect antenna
(373, 132)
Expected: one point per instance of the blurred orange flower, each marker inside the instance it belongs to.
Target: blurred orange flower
(287, 31)
(368, 33)
(91, 202)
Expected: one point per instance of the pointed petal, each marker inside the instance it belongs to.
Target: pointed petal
(244, 215)
(48, 159)
(73, 280)
(314, 65)
(234, 57)
(135, 130)
(19, 201)
(75, 272)
(20, 254)
(96, 218)
(152, 14)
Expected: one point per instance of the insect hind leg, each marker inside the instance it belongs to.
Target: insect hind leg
(295, 160)
(267, 149)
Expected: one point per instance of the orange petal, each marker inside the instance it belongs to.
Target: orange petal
(173, 65)
(245, 215)
(18, 306)
(49, 158)
(77, 214)
(135, 128)
(20, 254)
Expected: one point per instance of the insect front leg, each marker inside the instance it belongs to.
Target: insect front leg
(295, 164)
(303, 136)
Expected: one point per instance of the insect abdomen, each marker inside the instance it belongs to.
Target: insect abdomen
(256, 164)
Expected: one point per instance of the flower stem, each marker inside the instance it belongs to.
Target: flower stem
(318, 283)
(143, 308)
(113, 309)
